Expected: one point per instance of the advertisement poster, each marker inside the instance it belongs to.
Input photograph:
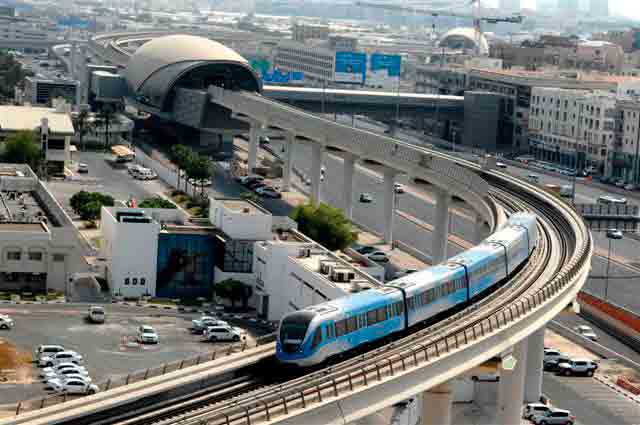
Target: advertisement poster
(384, 70)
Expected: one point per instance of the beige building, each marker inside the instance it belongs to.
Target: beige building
(317, 63)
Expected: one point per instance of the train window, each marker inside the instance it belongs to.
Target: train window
(371, 317)
(341, 327)
(317, 338)
(399, 308)
(411, 304)
(425, 297)
(331, 333)
(352, 324)
(382, 314)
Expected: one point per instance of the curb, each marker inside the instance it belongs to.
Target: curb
(608, 383)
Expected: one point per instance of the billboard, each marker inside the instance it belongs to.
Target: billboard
(73, 21)
(281, 77)
(384, 70)
(351, 67)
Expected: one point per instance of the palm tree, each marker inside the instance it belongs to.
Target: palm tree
(81, 125)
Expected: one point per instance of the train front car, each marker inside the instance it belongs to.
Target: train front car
(295, 336)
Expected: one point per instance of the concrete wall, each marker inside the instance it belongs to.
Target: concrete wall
(238, 224)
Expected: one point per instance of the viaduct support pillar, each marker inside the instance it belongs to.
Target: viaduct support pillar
(73, 61)
(478, 228)
(436, 405)
(511, 388)
(316, 167)
(441, 227)
(347, 189)
(535, 357)
(288, 162)
(254, 134)
(389, 204)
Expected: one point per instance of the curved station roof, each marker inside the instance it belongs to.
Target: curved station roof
(165, 63)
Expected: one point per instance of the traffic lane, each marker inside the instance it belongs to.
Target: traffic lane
(590, 401)
(605, 339)
(627, 249)
(623, 283)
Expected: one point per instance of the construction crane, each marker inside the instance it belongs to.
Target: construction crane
(475, 5)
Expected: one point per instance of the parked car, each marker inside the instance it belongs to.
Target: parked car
(245, 180)
(134, 168)
(554, 417)
(83, 168)
(586, 332)
(62, 366)
(551, 354)
(223, 333)
(256, 184)
(61, 357)
(614, 234)
(533, 409)
(378, 256)
(501, 165)
(199, 325)
(96, 314)
(145, 174)
(268, 192)
(398, 188)
(366, 198)
(73, 386)
(46, 350)
(200, 183)
(66, 372)
(577, 367)
(366, 249)
(6, 322)
(552, 364)
(619, 183)
(146, 334)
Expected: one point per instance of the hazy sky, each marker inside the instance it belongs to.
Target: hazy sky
(630, 8)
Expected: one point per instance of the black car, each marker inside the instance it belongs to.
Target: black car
(552, 365)
(366, 249)
(256, 184)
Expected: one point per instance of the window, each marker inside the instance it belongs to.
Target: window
(372, 317)
(382, 314)
(143, 281)
(135, 280)
(58, 258)
(126, 280)
(13, 255)
(341, 327)
(317, 338)
(35, 256)
(352, 324)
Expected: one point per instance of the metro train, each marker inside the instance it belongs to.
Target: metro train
(310, 336)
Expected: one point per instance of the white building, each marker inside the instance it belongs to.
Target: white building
(240, 219)
(40, 248)
(575, 128)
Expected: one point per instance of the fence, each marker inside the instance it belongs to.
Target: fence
(143, 375)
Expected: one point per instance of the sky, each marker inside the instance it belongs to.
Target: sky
(629, 8)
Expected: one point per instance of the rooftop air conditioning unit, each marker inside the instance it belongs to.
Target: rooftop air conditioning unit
(342, 275)
(325, 267)
(305, 252)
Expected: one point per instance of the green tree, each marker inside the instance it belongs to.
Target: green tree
(181, 156)
(157, 202)
(104, 117)
(88, 204)
(23, 148)
(325, 224)
(234, 291)
(81, 125)
(198, 169)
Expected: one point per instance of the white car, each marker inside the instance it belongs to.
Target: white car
(83, 168)
(6, 322)
(145, 174)
(533, 409)
(554, 417)
(96, 314)
(398, 188)
(200, 183)
(134, 168)
(200, 325)
(61, 357)
(46, 350)
(73, 386)
(65, 375)
(147, 335)
(501, 165)
(378, 256)
(586, 332)
(63, 366)
(223, 333)
(577, 367)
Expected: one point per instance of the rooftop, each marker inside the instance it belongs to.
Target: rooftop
(22, 227)
(314, 261)
(190, 230)
(21, 211)
(16, 118)
(242, 206)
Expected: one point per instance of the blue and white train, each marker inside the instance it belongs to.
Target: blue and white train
(312, 335)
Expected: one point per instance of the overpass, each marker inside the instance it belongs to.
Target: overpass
(508, 323)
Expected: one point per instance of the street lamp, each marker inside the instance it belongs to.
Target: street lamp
(611, 235)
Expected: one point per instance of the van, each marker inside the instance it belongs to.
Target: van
(96, 314)
(533, 178)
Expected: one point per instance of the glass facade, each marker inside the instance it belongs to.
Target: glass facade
(185, 265)
(234, 256)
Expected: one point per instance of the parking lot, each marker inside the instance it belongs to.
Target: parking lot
(110, 349)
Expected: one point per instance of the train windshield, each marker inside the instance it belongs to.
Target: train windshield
(294, 328)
